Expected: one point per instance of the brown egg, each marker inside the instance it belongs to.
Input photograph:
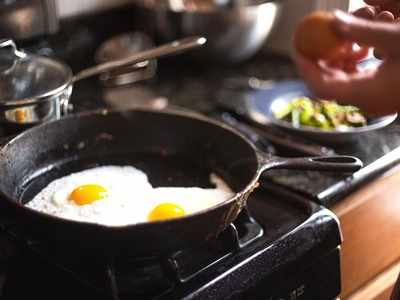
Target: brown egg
(316, 38)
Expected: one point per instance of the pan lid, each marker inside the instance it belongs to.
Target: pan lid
(26, 78)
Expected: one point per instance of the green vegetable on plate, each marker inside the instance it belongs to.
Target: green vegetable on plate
(322, 114)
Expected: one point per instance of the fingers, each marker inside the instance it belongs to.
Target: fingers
(354, 53)
(376, 34)
(367, 12)
(393, 7)
(361, 89)
(325, 83)
(385, 16)
(379, 2)
(348, 58)
(386, 5)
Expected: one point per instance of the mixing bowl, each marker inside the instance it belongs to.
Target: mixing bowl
(235, 29)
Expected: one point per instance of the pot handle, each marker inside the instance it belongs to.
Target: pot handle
(4, 43)
(337, 163)
(17, 54)
(160, 51)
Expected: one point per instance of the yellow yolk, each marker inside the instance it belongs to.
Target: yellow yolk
(86, 194)
(165, 211)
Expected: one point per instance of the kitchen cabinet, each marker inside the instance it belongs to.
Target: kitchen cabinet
(370, 221)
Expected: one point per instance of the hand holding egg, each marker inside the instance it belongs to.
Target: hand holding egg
(335, 76)
(317, 39)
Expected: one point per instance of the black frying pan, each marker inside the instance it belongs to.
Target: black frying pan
(174, 148)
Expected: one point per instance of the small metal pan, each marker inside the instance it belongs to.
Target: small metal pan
(35, 89)
(174, 148)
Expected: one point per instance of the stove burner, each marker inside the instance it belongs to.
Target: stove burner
(141, 276)
(238, 235)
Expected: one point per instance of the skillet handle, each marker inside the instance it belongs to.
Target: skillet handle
(337, 163)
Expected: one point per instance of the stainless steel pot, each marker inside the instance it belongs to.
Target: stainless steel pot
(34, 89)
(235, 29)
(26, 19)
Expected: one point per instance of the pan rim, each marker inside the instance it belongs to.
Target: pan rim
(168, 111)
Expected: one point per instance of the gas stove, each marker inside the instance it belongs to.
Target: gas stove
(282, 247)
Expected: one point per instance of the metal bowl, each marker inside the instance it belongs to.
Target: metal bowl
(264, 103)
(235, 29)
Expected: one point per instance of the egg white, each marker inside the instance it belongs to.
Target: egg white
(130, 196)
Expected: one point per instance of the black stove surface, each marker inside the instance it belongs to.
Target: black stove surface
(289, 248)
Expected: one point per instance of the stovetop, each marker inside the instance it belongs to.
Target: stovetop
(289, 248)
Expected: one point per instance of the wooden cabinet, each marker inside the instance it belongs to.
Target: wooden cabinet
(370, 222)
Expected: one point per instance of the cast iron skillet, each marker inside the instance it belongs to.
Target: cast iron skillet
(174, 148)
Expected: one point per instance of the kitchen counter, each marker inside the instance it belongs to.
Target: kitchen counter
(370, 223)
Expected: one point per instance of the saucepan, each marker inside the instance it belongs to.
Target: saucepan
(173, 147)
(35, 89)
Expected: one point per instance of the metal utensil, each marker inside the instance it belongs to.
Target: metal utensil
(121, 46)
(235, 29)
(160, 51)
(34, 88)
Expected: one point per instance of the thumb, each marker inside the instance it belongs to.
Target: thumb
(382, 35)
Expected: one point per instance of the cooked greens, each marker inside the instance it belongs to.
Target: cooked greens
(322, 114)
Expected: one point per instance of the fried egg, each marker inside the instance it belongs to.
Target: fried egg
(122, 195)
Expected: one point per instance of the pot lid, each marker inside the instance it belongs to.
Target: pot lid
(26, 78)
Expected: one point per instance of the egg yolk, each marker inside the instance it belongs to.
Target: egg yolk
(86, 194)
(165, 211)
